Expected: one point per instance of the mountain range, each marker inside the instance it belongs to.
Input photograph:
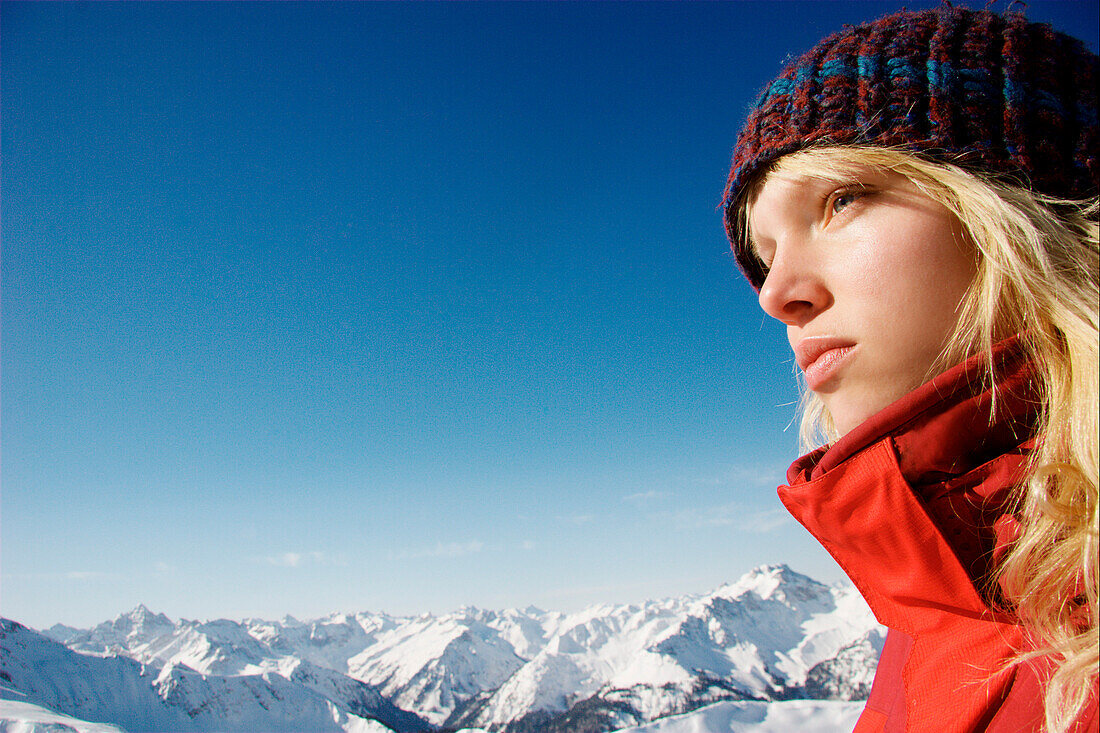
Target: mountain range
(755, 647)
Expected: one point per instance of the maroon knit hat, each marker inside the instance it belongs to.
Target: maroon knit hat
(992, 93)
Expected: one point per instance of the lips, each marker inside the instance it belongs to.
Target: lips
(821, 357)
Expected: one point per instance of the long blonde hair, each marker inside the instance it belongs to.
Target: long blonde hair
(1037, 271)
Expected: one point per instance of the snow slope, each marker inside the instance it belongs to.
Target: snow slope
(804, 716)
(23, 717)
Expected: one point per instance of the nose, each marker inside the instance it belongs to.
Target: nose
(794, 290)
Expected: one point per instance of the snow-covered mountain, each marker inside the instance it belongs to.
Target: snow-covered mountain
(772, 635)
(765, 637)
(171, 697)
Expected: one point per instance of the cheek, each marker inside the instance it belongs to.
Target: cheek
(918, 272)
(948, 270)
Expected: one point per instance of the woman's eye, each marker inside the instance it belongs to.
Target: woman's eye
(841, 200)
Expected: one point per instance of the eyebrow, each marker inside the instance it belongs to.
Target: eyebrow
(751, 245)
(749, 241)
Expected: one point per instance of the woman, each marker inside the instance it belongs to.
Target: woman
(915, 200)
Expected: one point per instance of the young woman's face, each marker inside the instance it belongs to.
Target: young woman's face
(867, 275)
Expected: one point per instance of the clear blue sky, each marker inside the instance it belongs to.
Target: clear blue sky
(391, 307)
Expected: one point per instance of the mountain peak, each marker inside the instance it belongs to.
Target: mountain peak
(140, 622)
(141, 615)
(764, 580)
(61, 632)
(780, 568)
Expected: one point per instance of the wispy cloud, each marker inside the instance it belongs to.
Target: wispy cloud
(63, 575)
(84, 575)
(580, 519)
(300, 559)
(286, 560)
(645, 497)
(527, 545)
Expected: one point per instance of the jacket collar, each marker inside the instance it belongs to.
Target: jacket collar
(912, 502)
(915, 505)
(948, 425)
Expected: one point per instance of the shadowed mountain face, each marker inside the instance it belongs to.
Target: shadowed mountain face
(772, 635)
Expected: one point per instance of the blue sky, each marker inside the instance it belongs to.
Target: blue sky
(393, 307)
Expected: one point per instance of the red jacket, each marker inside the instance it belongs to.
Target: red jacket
(912, 505)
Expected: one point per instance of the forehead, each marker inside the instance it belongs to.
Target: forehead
(782, 184)
(778, 192)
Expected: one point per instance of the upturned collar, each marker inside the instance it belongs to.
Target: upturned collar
(947, 426)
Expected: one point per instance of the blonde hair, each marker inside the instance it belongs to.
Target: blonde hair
(1037, 271)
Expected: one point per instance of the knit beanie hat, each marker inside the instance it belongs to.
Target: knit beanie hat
(992, 93)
